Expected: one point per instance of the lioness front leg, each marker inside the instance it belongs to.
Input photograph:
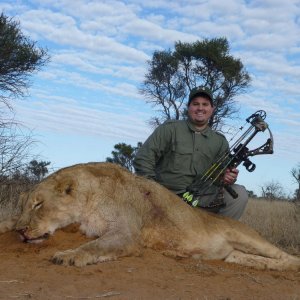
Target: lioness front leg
(100, 250)
(80, 256)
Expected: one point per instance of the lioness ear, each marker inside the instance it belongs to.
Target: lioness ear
(66, 186)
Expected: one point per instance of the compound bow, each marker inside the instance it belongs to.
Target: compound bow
(206, 190)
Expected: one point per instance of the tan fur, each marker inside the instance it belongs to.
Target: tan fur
(126, 213)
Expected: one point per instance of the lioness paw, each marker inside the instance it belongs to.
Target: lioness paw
(77, 257)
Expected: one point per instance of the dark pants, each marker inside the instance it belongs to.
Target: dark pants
(235, 207)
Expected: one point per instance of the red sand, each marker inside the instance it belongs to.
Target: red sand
(27, 273)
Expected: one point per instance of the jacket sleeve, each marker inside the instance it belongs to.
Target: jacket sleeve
(152, 150)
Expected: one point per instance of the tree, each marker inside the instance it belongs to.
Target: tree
(296, 175)
(38, 169)
(172, 74)
(15, 148)
(124, 155)
(272, 190)
(19, 59)
(251, 194)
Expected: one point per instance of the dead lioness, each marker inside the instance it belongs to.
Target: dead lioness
(127, 213)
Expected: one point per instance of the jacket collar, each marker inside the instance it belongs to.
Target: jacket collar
(205, 132)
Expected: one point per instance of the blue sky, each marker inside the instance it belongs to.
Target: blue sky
(86, 99)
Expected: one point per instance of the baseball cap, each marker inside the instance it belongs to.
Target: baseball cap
(200, 91)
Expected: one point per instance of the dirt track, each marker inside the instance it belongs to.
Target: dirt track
(27, 273)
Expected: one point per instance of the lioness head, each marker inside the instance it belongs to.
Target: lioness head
(52, 204)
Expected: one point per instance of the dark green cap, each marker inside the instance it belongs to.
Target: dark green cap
(200, 91)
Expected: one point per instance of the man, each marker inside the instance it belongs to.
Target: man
(178, 151)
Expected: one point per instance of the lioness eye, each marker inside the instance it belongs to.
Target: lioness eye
(38, 205)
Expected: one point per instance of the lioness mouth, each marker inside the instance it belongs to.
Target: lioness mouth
(34, 240)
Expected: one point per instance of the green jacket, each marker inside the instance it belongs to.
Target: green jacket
(175, 153)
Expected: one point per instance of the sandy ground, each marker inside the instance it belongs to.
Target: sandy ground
(26, 272)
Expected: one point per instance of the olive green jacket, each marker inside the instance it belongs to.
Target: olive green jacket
(175, 153)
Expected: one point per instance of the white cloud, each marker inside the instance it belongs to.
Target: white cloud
(149, 30)
(271, 41)
(63, 30)
(99, 64)
(208, 29)
(76, 79)
(65, 115)
(272, 63)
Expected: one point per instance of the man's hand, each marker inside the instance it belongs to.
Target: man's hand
(230, 176)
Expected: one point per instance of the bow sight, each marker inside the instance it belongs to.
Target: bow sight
(205, 190)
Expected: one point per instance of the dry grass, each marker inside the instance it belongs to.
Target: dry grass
(277, 221)
(9, 198)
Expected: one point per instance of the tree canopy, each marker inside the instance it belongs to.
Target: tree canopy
(38, 169)
(124, 155)
(172, 74)
(19, 59)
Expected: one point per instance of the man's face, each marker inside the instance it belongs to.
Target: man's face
(199, 111)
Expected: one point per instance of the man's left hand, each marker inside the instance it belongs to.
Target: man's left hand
(230, 176)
